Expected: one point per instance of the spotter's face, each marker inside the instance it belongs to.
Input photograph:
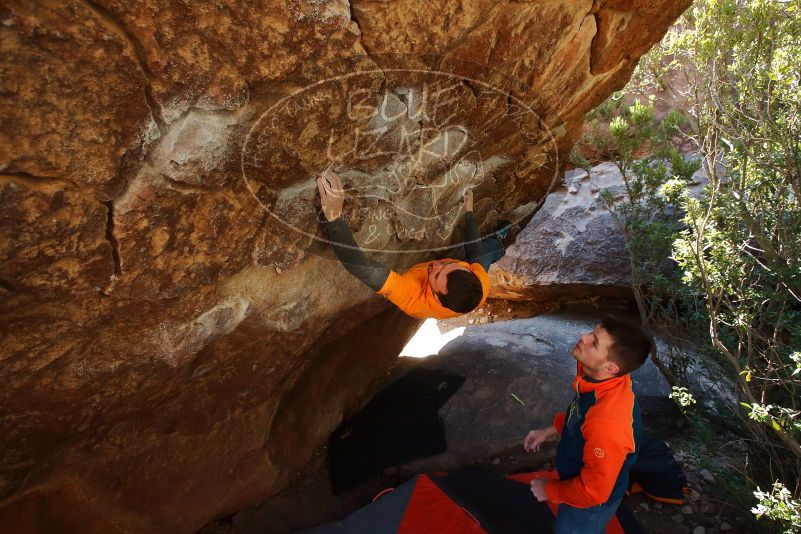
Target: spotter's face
(593, 349)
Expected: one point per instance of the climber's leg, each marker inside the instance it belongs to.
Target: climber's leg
(493, 251)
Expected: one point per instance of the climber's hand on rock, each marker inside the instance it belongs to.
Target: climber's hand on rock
(468, 200)
(332, 195)
(538, 489)
(535, 438)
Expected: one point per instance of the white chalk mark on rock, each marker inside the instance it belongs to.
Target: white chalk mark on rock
(182, 342)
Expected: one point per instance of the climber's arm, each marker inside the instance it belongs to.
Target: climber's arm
(332, 196)
(371, 273)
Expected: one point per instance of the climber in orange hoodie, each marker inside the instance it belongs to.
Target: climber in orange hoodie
(599, 436)
(440, 288)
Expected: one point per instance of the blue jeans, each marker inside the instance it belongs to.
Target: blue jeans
(592, 520)
(493, 251)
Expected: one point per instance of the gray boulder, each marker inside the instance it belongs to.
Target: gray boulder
(571, 247)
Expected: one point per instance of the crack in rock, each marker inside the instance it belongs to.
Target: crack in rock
(112, 240)
(359, 27)
(593, 43)
(7, 286)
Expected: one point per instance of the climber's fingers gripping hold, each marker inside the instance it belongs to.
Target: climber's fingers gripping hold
(332, 195)
(334, 182)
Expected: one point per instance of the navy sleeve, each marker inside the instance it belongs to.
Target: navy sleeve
(351, 257)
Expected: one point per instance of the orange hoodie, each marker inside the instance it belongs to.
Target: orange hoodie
(598, 442)
(412, 293)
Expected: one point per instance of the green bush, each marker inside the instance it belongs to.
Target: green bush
(735, 249)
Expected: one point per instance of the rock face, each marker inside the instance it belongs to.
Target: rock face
(573, 247)
(526, 358)
(176, 338)
(705, 380)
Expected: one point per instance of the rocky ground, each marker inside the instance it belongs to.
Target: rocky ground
(708, 509)
(528, 359)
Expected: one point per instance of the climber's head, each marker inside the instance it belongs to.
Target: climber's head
(455, 286)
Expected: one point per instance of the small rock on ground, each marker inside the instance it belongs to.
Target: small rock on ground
(709, 477)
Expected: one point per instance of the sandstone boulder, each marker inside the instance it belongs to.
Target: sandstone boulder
(176, 337)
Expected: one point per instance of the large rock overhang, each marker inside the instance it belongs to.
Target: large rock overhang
(176, 337)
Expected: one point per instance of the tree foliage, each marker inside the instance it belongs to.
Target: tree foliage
(737, 247)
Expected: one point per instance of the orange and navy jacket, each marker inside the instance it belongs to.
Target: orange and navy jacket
(412, 293)
(598, 442)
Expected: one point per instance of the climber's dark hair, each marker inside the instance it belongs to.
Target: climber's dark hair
(464, 291)
(630, 344)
